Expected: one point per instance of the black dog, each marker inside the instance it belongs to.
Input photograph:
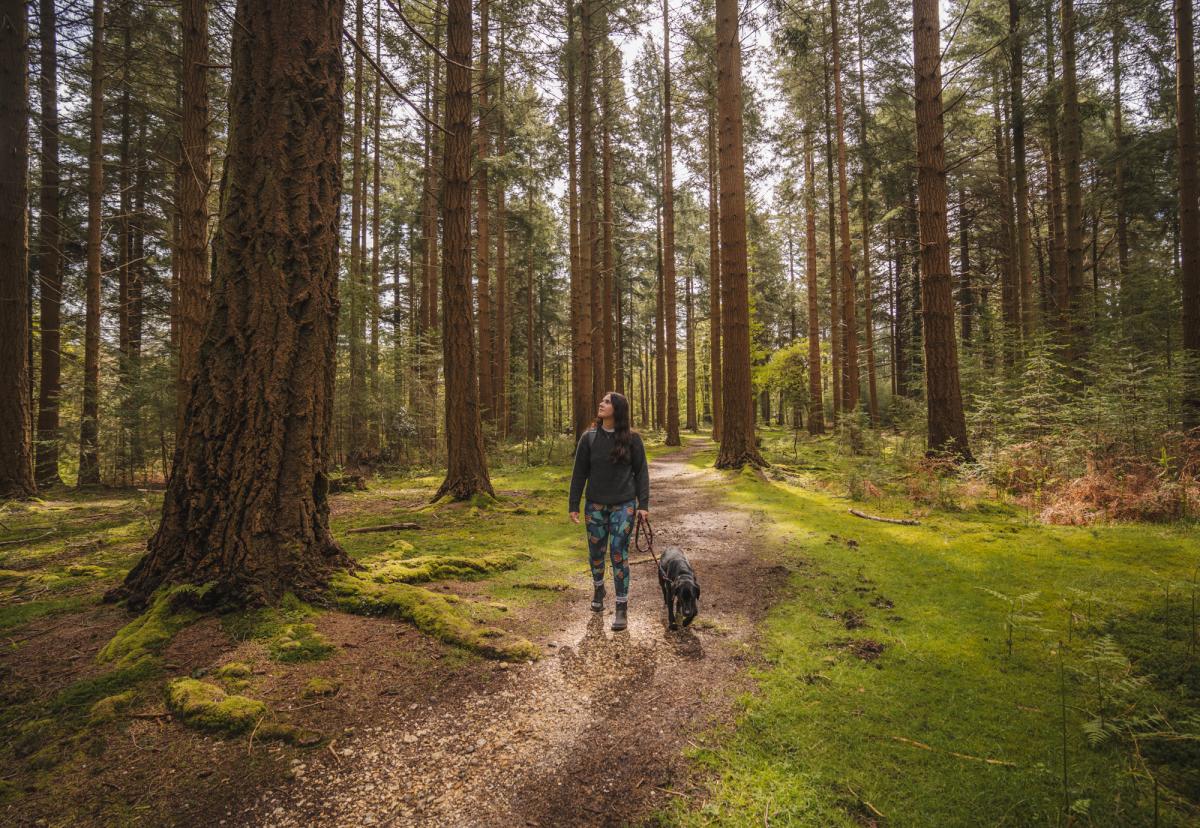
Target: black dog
(679, 586)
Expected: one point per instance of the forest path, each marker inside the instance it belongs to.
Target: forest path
(591, 734)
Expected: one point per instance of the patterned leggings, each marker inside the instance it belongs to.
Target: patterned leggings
(610, 526)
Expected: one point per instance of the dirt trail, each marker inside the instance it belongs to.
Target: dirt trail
(589, 735)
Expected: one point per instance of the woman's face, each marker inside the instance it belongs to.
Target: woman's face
(605, 409)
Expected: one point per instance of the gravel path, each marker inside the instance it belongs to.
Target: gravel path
(590, 735)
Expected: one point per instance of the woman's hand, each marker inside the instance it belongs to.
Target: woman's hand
(574, 517)
(643, 513)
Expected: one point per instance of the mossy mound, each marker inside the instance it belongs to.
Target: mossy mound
(432, 614)
(293, 735)
(86, 570)
(207, 706)
(300, 642)
(153, 629)
(317, 687)
(444, 567)
(234, 670)
(111, 707)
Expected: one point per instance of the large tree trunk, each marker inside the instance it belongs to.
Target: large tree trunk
(966, 294)
(16, 444)
(849, 294)
(89, 426)
(816, 405)
(49, 259)
(466, 463)
(1189, 215)
(487, 402)
(690, 393)
(373, 422)
(947, 425)
(1009, 286)
(1072, 161)
(1024, 245)
(246, 505)
(714, 276)
(660, 348)
(669, 243)
(738, 444)
(594, 31)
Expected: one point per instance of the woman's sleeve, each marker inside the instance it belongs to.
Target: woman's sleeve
(579, 474)
(642, 472)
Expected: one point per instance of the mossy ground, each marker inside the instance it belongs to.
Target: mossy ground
(841, 732)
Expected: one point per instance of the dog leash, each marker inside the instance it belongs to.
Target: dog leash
(638, 534)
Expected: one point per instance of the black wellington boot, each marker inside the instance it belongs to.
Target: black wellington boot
(620, 621)
(598, 598)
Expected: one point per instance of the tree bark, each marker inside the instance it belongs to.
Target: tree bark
(671, 323)
(849, 294)
(738, 444)
(466, 463)
(487, 401)
(609, 280)
(1021, 175)
(500, 383)
(690, 393)
(865, 209)
(966, 294)
(835, 307)
(1009, 286)
(1189, 213)
(246, 506)
(581, 293)
(16, 444)
(354, 273)
(1072, 161)
(1119, 173)
(49, 259)
(816, 405)
(89, 427)
(373, 420)
(947, 425)
(1055, 298)
(714, 276)
(660, 334)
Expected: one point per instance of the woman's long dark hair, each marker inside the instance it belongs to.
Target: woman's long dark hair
(621, 431)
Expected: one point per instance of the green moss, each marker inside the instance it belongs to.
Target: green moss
(234, 670)
(266, 622)
(86, 570)
(77, 698)
(276, 731)
(208, 707)
(32, 736)
(110, 707)
(444, 567)
(430, 613)
(9, 792)
(300, 642)
(153, 629)
(319, 686)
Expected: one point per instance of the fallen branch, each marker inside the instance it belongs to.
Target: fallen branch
(26, 540)
(874, 810)
(898, 521)
(985, 760)
(387, 527)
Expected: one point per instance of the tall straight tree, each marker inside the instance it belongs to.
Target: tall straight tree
(579, 410)
(738, 444)
(583, 407)
(500, 385)
(848, 292)
(354, 274)
(865, 216)
(194, 179)
(609, 289)
(466, 464)
(816, 406)
(669, 319)
(947, 424)
(714, 272)
(835, 307)
(16, 439)
(1189, 213)
(89, 426)
(594, 25)
(246, 507)
(49, 260)
(1020, 173)
(1072, 150)
(483, 231)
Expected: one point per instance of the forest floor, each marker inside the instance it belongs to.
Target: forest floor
(842, 671)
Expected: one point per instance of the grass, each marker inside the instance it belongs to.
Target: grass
(944, 727)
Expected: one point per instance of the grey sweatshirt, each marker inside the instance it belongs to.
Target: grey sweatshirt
(607, 482)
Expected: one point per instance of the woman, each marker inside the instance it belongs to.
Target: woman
(611, 460)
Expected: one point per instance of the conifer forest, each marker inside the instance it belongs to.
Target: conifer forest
(306, 311)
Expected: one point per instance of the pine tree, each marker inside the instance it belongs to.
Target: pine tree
(89, 428)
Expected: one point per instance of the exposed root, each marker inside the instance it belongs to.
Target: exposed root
(432, 614)
(442, 567)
